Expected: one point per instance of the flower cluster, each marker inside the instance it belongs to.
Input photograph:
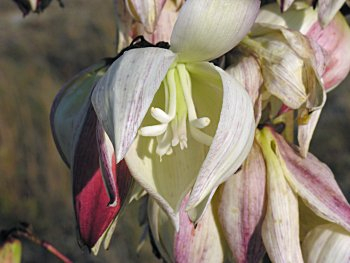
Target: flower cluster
(203, 128)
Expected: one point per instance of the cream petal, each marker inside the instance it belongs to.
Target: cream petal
(327, 10)
(306, 130)
(233, 138)
(123, 95)
(70, 107)
(280, 229)
(168, 180)
(207, 29)
(241, 208)
(327, 243)
(315, 184)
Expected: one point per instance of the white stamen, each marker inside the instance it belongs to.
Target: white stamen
(160, 115)
(154, 130)
(200, 136)
(201, 123)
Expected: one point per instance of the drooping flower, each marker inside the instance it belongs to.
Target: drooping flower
(296, 67)
(180, 122)
(266, 214)
(100, 187)
(334, 39)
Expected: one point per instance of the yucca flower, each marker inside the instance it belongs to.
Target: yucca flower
(180, 122)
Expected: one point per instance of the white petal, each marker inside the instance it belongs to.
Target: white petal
(122, 97)
(328, 9)
(207, 29)
(327, 244)
(233, 138)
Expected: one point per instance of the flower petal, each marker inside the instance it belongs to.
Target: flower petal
(285, 4)
(123, 95)
(315, 184)
(146, 11)
(168, 180)
(306, 130)
(70, 107)
(246, 70)
(200, 242)
(327, 243)
(106, 154)
(93, 214)
(280, 229)
(207, 29)
(241, 208)
(337, 49)
(233, 138)
(328, 9)
(192, 243)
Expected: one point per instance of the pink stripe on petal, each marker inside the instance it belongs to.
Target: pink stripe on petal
(314, 182)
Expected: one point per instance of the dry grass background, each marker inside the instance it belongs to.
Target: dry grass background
(37, 55)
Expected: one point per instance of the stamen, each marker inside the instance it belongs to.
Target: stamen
(160, 115)
(154, 130)
(201, 123)
(200, 136)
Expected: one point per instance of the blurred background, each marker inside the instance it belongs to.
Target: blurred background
(38, 54)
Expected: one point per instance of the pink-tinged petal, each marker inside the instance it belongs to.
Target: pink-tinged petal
(146, 12)
(327, 9)
(124, 94)
(191, 243)
(327, 244)
(246, 70)
(198, 243)
(70, 107)
(315, 184)
(241, 208)
(233, 137)
(335, 41)
(93, 214)
(164, 26)
(306, 130)
(207, 29)
(280, 229)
